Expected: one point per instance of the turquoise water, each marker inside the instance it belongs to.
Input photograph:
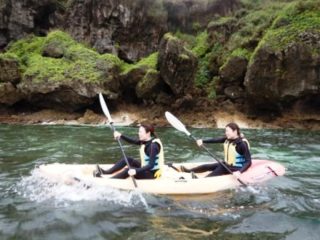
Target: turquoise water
(31, 208)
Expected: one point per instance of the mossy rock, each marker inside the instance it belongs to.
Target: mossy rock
(177, 64)
(10, 71)
(63, 71)
(149, 62)
(284, 68)
(53, 50)
(9, 94)
(147, 87)
(296, 18)
(58, 58)
(234, 69)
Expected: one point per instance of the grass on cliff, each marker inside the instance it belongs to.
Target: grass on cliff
(78, 63)
(258, 23)
(149, 62)
(199, 46)
(296, 18)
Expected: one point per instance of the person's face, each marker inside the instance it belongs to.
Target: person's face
(231, 134)
(143, 135)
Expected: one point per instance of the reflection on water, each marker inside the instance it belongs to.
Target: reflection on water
(283, 208)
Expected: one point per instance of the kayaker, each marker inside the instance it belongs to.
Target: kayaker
(151, 156)
(237, 155)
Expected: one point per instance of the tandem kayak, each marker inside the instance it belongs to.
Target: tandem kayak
(171, 182)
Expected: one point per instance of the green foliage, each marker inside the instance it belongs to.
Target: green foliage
(184, 56)
(211, 89)
(199, 47)
(8, 56)
(196, 26)
(203, 74)
(24, 47)
(60, 37)
(169, 36)
(53, 70)
(198, 44)
(241, 52)
(147, 79)
(78, 63)
(221, 21)
(296, 18)
(253, 24)
(201, 44)
(149, 62)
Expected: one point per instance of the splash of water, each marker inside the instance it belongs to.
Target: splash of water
(38, 188)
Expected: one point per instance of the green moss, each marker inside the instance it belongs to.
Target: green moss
(280, 37)
(201, 45)
(146, 79)
(203, 75)
(184, 56)
(296, 18)
(241, 52)
(253, 24)
(221, 21)
(187, 39)
(9, 56)
(53, 69)
(211, 89)
(198, 44)
(24, 47)
(149, 62)
(169, 36)
(60, 36)
(196, 26)
(111, 59)
(79, 63)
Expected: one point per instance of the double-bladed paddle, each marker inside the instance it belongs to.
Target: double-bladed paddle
(177, 124)
(107, 114)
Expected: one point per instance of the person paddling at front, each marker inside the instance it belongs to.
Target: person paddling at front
(236, 154)
(151, 156)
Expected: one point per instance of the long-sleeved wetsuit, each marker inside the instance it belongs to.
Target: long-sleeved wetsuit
(151, 149)
(217, 169)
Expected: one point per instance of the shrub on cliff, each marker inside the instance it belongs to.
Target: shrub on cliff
(57, 57)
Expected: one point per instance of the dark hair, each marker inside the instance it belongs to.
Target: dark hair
(149, 128)
(234, 127)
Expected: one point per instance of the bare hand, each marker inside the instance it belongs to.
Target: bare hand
(199, 142)
(116, 135)
(132, 172)
(237, 174)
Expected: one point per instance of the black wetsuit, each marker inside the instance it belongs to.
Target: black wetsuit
(151, 149)
(216, 168)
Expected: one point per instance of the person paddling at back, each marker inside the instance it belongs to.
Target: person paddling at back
(236, 154)
(151, 156)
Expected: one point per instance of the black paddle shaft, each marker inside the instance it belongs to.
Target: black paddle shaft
(123, 154)
(221, 163)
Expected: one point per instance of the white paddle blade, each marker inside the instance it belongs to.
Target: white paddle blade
(105, 108)
(176, 123)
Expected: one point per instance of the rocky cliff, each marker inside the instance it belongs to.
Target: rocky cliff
(262, 57)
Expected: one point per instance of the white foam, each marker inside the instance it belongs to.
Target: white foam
(39, 189)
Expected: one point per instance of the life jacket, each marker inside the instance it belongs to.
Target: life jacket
(231, 156)
(159, 161)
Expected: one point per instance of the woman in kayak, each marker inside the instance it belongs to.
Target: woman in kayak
(237, 155)
(151, 156)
